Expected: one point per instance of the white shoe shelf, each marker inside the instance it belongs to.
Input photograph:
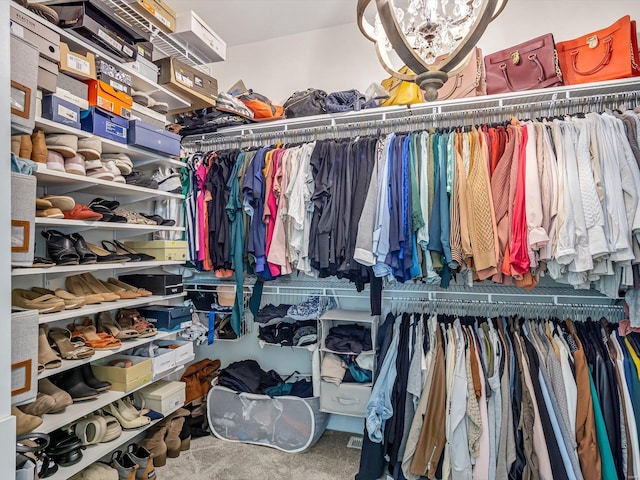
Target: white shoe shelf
(54, 421)
(94, 453)
(98, 225)
(105, 306)
(138, 156)
(63, 182)
(73, 269)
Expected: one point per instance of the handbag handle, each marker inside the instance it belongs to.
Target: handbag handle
(534, 59)
(603, 63)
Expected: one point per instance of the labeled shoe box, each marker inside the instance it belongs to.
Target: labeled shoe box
(61, 111)
(163, 250)
(104, 124)
(159, 140)
(81, 103)
(158, 284)
(110, 74)
(167, 317)
(36, 33)
(82, 67)
(146, 115)
(194, 31)
(47, 75)
(163, 362)
(157, 11)
(75, 87)
(124, 379)
(98, 23)
(182, 349)
(145, 51)
(164, 397)
(189, 82)
(106, 97)
(146, 68)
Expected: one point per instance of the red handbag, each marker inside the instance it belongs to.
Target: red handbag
(468, 82)
(607, 54)
(528, 66)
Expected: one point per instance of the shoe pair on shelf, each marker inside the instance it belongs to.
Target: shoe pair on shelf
(94, 290)
(80, 383)
(50, 399)
(73, 249)
(168, 437)
(168, 180)
(32, 147)
(63, 206)
(139, 179)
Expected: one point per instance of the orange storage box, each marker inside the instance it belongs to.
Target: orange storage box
(103, 95)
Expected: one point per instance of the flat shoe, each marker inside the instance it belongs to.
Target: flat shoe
(34, 301)
(63, 202)
(43, 204)
(105, 256)
(81, 212)
(50, 213)
(39, 262)
(70, 301)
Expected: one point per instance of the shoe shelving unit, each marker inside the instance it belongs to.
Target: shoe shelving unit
(126, 345)
(139, 156)
(94, 453)
(54, 421)
(134, 198)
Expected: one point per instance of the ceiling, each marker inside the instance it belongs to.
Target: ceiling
(247, 21)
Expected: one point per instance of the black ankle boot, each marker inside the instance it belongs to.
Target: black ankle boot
(90, 379)
(73, 383)
(82, 249)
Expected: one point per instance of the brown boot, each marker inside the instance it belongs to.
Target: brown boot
(39, 151)
(25, 423)
(25, 147)
(16, 140)
(172, 440)
(154, 442)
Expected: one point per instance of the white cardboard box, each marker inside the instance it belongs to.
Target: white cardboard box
(166, 360)
(184, 353)
(194, 31)
(163, 396)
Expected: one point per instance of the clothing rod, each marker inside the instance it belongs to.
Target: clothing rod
(310, 129)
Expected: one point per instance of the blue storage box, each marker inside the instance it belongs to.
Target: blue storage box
(61, 111)
(148, 136)
(167, 317)
(105, 124)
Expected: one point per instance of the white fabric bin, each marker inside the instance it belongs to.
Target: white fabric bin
(290, 424)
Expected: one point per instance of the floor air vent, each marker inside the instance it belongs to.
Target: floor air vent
(355, 442)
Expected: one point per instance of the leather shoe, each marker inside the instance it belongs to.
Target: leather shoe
(90, 379)
(43, 404)
(25, 423)
(62, 398)
(72, 383)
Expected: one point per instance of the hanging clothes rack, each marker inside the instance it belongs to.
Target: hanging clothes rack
(489, 109)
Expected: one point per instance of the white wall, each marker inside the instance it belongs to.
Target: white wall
(340, 58)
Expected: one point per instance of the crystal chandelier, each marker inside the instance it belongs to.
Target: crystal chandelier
(431, 37)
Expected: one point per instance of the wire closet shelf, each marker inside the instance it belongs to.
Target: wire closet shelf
(467, 111)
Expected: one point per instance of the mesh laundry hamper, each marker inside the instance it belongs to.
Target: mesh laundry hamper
(290, 424)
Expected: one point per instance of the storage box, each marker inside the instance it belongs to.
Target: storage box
(158, 284)
(36, 33)
(82, 67)
(144, 114)
(81, 103)
(336, 317)
(147, 136)
(167, 317)
(74, 87)
(145, 51)
(157, 11)
(189, 82)
(23, 213)
(165, 250)
(183, 350)
(146, 68)
(110, 74)
(291, 424)
(24, 84)
(61, 111)
(164, 397)
(344, 399)
(108, 98)
(124, 379)
(196, 33)
(163, 362)
(98, 23)
(24, 356)
(47, 75)
(39, 96)
(104, 124)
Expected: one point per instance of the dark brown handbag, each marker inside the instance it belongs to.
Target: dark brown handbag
(468, 82)
(528, 66)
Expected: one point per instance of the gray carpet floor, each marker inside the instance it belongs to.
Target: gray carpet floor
(210, 458)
